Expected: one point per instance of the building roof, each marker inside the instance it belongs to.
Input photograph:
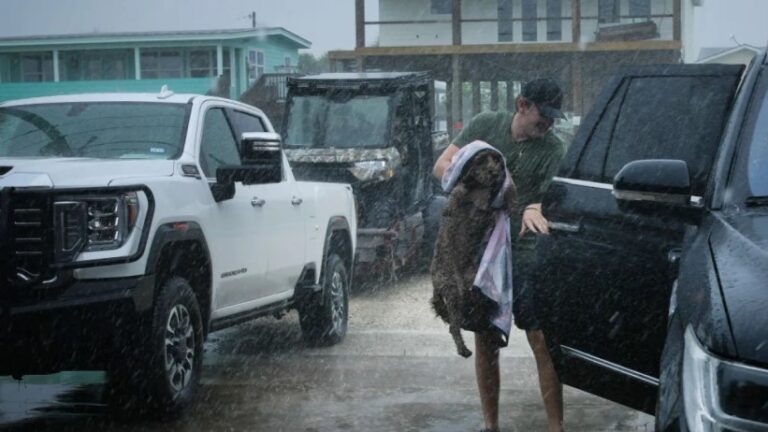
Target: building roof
(710, 54)
(150, 37)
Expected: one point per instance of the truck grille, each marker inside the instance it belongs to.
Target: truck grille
(27, 218)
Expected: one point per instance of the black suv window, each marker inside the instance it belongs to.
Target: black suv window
(592, 159)
(757, 166)
(218, 146)
(654, 123)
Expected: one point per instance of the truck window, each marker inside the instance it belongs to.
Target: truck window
(218, 146)
(592, 158)
(655, 123)
(244, 122)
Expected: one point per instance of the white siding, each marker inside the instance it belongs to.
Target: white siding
(487, 32)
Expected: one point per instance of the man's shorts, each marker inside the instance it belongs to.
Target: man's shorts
(523, 306)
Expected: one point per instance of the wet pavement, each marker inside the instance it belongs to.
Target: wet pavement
(397, 370)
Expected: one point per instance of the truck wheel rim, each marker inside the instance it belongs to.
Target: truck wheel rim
(337, 302)
(179, 348)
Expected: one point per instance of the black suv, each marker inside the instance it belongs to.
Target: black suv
(653, 286)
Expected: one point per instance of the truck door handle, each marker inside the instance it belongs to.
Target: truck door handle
(296, 201)
(258, 202)
(563, 226)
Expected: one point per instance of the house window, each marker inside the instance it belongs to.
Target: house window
(255, 65)
(96, 65)
(161, 64)
(202, 63)
(608, 11)
(640, 9)
(554, 21)
(37, 67)
(441, 7)
(505, 20)
(530, 23)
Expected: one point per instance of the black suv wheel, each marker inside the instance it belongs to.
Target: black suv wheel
(324, 315)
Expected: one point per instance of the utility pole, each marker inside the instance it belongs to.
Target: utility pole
(252, 16)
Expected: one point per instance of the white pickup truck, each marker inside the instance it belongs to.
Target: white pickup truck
(132, 225)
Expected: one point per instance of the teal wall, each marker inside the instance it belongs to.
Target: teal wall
(24, 90)
(275, 49)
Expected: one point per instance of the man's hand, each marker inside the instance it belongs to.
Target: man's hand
(533, 220)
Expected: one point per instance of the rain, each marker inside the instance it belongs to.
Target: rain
(229, 216)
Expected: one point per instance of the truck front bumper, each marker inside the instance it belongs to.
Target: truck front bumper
(81, 327)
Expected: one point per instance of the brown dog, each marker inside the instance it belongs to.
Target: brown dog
(467, 219)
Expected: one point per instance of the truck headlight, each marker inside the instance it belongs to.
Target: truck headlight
(93, 223)
(721, 395)
(376, 170)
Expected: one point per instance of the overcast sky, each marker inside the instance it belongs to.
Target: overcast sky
(328, 24)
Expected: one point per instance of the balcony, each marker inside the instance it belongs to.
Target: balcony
(434, 23)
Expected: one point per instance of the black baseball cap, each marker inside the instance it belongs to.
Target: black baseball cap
(547, 96)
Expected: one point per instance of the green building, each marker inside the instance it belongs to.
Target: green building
(188, 62)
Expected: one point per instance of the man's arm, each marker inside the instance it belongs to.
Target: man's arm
(444, 161)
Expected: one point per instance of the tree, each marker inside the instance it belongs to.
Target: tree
(309, 64)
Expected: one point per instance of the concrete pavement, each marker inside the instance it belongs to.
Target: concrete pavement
(396, 371)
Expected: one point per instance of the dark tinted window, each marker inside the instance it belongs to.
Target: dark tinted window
(671, 118)
(505, 21)
(218, 146)
(554, 21)
(441, 6)
(640, 8)
(757, 167)
(529, 20)
(608, 11)
(247, 122)
(592, 159)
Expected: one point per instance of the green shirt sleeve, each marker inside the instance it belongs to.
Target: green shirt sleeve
(548, 170)
(477, 129)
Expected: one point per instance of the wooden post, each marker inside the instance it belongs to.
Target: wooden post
(476, 105)
(510, 95)
(359, 23)
(449, 107)
(456, 92)
(576, 20)
(456, 21)
(494, 95)
(576, 84)
(676, 20)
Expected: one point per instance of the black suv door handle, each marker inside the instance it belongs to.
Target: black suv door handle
(564, 226)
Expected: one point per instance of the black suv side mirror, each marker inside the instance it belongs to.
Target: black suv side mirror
(656, 182)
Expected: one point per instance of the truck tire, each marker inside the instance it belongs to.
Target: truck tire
(324, 315)
(161, 370)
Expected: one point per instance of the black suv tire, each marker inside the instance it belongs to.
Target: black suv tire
(162, 368)
(324, 315)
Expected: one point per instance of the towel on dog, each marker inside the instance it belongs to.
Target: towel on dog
(494, 274)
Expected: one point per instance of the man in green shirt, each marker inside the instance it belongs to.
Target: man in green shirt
(533, 154)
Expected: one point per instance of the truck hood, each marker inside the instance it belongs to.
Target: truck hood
(341, 155)
(77, 172)
(740, 248)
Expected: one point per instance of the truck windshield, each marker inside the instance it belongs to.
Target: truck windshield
(105, 130)
(317, 121)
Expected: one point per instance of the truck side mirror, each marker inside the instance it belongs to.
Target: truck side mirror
(262, 157)
(653, 183)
